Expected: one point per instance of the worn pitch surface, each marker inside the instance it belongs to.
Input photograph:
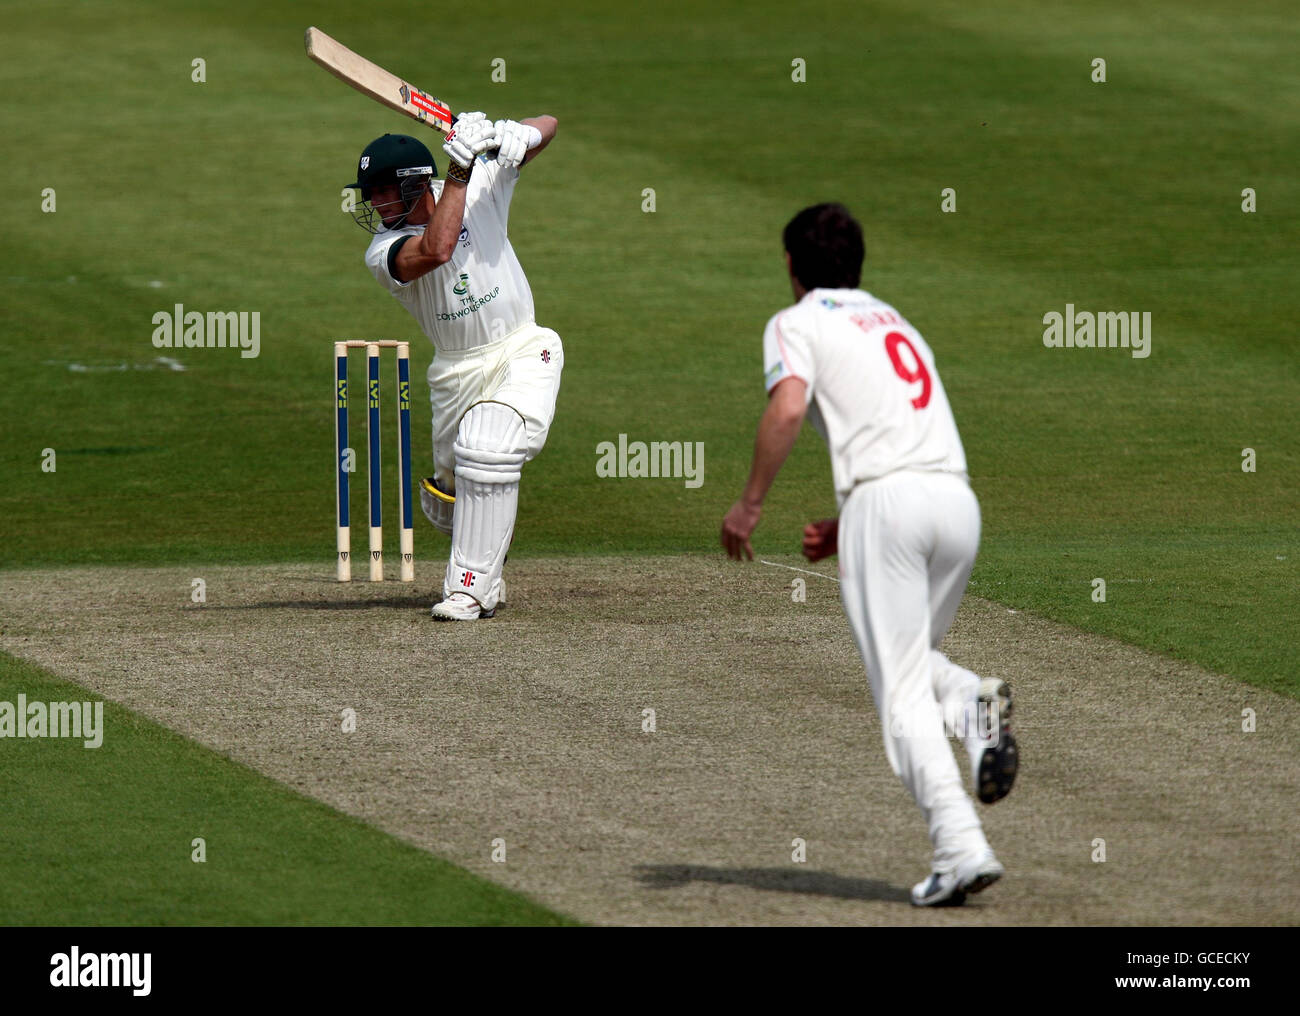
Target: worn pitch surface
(528, 728)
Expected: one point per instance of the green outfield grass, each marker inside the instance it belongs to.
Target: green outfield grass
(104, 836)
(1117, 196)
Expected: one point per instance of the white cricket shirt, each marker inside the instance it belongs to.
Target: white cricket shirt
(481, 294)
(875, 392)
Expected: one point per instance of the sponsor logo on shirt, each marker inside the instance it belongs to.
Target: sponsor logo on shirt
(777, 369)
(471, 306)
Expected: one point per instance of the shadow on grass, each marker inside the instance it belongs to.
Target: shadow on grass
(410, 601)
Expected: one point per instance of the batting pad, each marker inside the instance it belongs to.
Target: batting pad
(491, 446)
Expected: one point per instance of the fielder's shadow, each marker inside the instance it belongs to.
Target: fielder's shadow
(786, 880)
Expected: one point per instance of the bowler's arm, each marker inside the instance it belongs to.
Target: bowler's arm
(777, 432)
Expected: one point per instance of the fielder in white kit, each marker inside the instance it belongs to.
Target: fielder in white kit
(906, 535)
(441, 248)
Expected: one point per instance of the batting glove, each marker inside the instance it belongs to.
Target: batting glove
(515, 139)
(472, 134)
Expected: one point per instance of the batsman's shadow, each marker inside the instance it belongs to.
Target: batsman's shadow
(785, 880)
(395, 601)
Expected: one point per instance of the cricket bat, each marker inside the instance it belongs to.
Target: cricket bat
(374, 81)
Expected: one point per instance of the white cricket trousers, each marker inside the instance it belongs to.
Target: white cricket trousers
(907, 542)
(521, 370)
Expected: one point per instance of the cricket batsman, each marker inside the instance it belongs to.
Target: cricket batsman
(441, 249)
(906, 535)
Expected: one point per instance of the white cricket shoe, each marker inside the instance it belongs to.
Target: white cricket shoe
(994, 762)
(950, 889)
(460, 607)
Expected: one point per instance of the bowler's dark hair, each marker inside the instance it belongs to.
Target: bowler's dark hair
(825, 247)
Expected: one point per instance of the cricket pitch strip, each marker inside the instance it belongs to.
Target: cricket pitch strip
(529, 728)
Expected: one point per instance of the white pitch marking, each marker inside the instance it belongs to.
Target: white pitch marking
(157, 363)
(804, 570)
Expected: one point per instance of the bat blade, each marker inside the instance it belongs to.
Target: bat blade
(372, 80)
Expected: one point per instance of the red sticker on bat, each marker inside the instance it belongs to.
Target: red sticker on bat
(421, 101)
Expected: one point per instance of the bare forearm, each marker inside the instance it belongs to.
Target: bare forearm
(439, 238)
(546, 126)
(777, 433)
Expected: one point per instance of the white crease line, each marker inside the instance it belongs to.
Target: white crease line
(804, 570)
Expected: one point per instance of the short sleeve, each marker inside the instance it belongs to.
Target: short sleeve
(786, 353)
(377, 260)
(495, 182)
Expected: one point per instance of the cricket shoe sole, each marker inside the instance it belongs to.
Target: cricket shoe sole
(995, 769)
